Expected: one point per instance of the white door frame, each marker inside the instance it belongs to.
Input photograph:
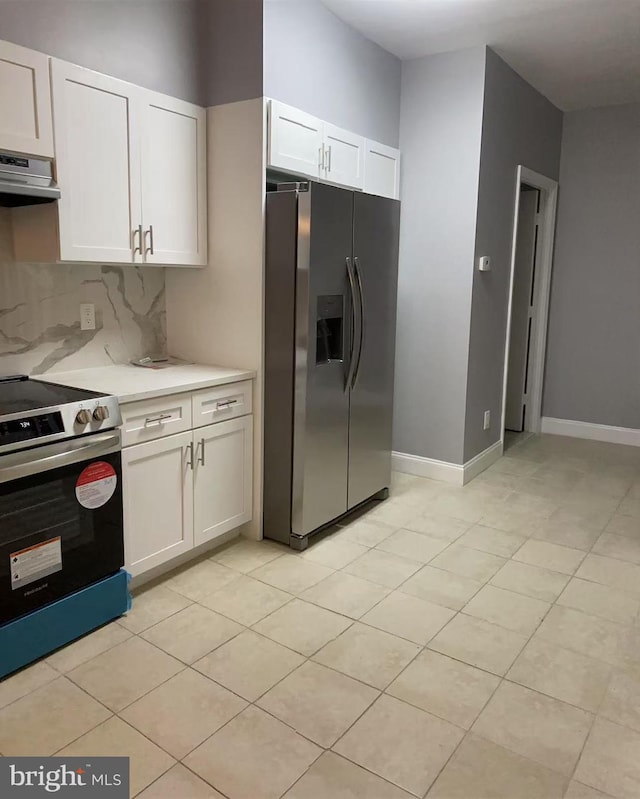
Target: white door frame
(544, 262)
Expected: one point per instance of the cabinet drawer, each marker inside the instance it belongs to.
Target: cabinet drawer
(221, 403)
(150, 419)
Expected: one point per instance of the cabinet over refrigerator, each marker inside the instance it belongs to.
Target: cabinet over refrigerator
(330, 319)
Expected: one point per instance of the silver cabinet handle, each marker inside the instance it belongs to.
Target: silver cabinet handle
(329, 159)
(321, 157)
(190, 455)
(149, 249)
(200, 449)
(224, 404)
(157, 419)
(357, 326)
(138, 230)
(356, 375)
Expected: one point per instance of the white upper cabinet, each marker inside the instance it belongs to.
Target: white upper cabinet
(131, 165)
(25, 100)
(381, 170)
(343, 157)
(295, 140)
(174, 192)
(301, 144)
(98, 165)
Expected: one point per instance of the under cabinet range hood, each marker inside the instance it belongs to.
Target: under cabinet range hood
(26, 181)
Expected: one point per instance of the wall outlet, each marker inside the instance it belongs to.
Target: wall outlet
(487, 420)
(87, 316)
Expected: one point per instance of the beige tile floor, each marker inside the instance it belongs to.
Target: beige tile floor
(457, 643)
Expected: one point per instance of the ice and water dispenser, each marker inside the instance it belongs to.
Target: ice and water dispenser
(330, 328)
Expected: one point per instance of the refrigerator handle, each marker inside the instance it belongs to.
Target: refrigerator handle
(357, 325)
(356, 371)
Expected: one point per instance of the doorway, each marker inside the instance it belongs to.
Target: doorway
(529, 287)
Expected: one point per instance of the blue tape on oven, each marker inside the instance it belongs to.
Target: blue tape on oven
(44, 630)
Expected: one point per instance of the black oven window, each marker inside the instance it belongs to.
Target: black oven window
(46, 509)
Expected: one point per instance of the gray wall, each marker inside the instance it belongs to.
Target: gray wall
(519, 127)
(316, 62)
(231, 47)
(440, 132)
(148, 42)
(593, 350)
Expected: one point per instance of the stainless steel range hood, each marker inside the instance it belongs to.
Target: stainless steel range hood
(26, 181)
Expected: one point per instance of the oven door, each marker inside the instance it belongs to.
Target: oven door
(61, 523)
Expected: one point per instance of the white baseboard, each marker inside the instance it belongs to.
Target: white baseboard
(427, 467)
(593, 432)
(482, 461)
(458, 474)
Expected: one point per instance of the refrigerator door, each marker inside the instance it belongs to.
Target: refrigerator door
(375, 249)
(322, 357)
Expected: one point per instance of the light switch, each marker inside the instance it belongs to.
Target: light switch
(484, 263)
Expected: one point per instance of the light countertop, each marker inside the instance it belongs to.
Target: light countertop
(132, 383)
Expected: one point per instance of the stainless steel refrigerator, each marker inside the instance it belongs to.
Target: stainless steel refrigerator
(330, 317)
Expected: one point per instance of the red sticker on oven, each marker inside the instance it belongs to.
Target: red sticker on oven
(96, 485)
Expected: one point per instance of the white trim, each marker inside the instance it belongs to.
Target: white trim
(549, 202)
(481, 462)
(454, 473)
(593, 432)
(427, 467)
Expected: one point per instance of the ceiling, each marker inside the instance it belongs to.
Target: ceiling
(578, 53)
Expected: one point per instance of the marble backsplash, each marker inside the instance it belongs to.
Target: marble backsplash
(40, 313)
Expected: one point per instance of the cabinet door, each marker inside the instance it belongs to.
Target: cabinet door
(95, 120)
(174, 181)
(382, 170)
(223, 485)
(158, 501)
(344, 157)
(295, 140)
(25, 100)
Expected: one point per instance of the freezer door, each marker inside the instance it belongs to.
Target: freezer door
(375, 250)
(322, 350)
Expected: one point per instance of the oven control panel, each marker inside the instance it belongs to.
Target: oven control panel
(30, 427)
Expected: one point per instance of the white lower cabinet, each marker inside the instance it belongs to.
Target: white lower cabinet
(184, 490)
(158, 501)
(222, 487)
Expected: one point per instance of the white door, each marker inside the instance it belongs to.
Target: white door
(522, 311)
(295, 140)
(25, 100)
(96, 127)
(343, 157)
(158, 501)
(174, 181)
(381, 170)
(223, 477)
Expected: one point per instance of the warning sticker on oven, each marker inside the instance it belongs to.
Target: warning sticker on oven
(96, 485)
(36, 562)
